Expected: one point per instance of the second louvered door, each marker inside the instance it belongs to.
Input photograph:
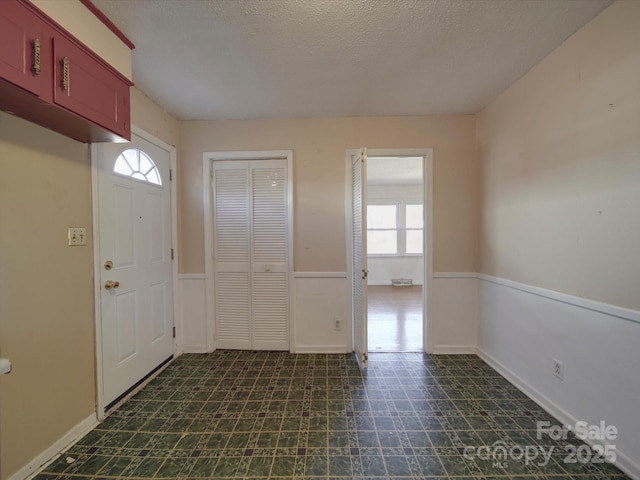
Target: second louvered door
(250, 254)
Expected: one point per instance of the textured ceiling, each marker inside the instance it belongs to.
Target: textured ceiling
(221, 59)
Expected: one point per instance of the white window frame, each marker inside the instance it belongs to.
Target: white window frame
(401, 227)
(396, 229)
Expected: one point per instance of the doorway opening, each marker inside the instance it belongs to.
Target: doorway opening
(395, 253)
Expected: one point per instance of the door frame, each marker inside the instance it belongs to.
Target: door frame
(427, 258)
(209, 268)
(97, 286)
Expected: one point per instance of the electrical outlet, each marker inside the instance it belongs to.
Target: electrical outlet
(337, 324)
(558, 369)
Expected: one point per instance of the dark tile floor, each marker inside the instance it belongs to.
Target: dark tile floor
(234, 414)
(395, 318)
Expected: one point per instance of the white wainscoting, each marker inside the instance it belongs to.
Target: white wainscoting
(522, 329)
(192, 335)
(320, 299)
(454, 312)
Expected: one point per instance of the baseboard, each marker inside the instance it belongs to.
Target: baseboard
(321, 349)
(454, 350)
(194, 349)
(57, 449)
(623, 462)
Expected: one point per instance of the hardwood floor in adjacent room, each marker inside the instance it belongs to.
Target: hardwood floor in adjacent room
(395, 318)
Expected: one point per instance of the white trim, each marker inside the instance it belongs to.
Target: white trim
(322, 349)
(97, 286)
(100, 404)
(194, 349)
(623, 462)
(191, 276)
(65, 442)
(320, 274)
(455, 275)
(600, 307)
(427, 198)
(455, 350)
(207, 168)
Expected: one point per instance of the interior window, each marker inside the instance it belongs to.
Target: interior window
(136, 164)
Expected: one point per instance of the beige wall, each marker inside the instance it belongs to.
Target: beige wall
(146, 114)
(46, 287)
(561, 167)
(46, 290)
(319, 147)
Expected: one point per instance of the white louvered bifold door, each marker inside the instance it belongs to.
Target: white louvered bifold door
(251, 241)
(232, 254)
(269, 254)
(359, 266)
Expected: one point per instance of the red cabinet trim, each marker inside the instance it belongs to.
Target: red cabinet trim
(108, 23)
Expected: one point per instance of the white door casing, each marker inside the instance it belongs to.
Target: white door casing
(136, 315)
(427, 184)
(248, 224)
(359, 258)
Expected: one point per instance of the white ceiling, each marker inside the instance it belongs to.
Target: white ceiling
(224, 59)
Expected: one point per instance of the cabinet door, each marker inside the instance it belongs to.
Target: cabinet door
(23, 48)
(86, 87)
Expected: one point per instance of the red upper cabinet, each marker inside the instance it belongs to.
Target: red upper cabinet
(50, 78)
(84, 86)
(23, 48)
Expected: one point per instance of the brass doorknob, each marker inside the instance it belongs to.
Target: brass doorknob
(109, 284)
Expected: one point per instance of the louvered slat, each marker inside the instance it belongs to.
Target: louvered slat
(231, 216)
(231, 256)
(269, 202)
(233, 310)
(270, 319)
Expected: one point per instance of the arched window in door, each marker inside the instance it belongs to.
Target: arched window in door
(136, 164)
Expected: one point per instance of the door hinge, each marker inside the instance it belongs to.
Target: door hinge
(172, 254)
(170, 175)
(365, 273)
(174, 332)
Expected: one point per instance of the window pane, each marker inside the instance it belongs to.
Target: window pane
(381, 242)
(414, 241)
(414, 216)
(136, 164)
(381, 216)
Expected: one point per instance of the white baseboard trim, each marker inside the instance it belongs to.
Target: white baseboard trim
(58, 448)
(321, 349)
(194, 349)
(454, 349)
(623, 462)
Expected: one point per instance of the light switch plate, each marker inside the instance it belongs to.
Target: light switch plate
(77, 236)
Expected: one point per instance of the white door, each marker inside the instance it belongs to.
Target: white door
(134, 208)
(359, 267)
(251, 243)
